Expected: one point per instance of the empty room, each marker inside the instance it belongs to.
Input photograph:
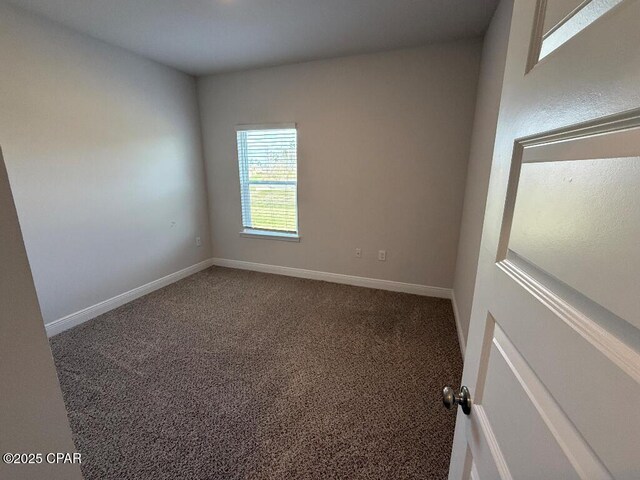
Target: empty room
(319, 239)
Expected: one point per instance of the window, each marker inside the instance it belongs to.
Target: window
(267, 159)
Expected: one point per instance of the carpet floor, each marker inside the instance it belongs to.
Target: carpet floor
(230, 374)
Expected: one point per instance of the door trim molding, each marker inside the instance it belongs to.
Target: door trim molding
(625, 357)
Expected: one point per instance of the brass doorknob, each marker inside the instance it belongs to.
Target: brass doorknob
(463, 398)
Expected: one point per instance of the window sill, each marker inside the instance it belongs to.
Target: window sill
(287, 237)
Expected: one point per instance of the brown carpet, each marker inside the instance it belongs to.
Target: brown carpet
(231, 374)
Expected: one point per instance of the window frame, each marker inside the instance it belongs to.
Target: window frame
(242, 173)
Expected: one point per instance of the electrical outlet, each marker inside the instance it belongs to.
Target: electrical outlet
(198, 242)
(358, 253)
(382, 255)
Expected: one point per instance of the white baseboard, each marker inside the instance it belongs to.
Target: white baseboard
(64, 323)
(456, 315)
(416, 289)
(69, 321)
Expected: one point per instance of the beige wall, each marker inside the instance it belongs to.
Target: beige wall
(383, 148)
(104, 155)
(494, 55)
(32, 414)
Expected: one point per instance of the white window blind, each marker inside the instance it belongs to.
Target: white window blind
(267, 157)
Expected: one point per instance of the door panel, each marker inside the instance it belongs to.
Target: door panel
(553, 355)
(555, 11)
(516, 411)
(563, 222)
(488, 458)
(575, 360)
(564, 19)
(563, 225)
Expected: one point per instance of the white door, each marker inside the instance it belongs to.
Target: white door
(553, 356)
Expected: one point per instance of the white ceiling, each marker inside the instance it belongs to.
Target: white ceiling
(208, 36)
